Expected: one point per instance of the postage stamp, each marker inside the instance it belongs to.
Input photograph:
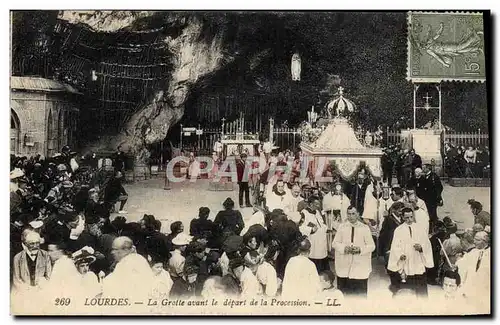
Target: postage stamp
(446, 47)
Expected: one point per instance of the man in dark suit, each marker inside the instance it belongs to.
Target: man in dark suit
(243, 180)
(431, 192)
(390, 223)
(357, 192)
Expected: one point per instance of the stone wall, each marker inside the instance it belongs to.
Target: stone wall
(41, 118)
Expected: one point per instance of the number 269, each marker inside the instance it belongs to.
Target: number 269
(62, 301)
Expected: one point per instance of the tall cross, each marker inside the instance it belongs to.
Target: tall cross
(427, 97)
(341, 90)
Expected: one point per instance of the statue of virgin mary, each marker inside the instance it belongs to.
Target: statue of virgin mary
(296, 67)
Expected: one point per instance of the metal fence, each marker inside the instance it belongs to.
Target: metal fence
(465, 139)
(287, 138)
(201, 144)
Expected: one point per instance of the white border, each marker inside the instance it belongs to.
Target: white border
(190, 4)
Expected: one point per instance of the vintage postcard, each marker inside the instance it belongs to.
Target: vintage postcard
(249, 163)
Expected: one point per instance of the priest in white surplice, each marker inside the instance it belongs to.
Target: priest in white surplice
(314, 227)
(475, 270)
(411, 254)
(335, 204)
(132, 277)
(278, 197)
(301, 278)
(421, 216)
(292, 207)
(353, 246)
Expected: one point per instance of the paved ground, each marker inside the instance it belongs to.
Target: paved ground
(184, 199)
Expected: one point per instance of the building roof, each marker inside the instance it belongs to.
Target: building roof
(40, 84)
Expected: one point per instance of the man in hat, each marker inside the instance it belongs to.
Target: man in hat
(301, 276)
(249, 285)
(177, 260)
(411, 254)
(19, 199)
(353, 246)
(242, 173)
(132, 276)
(15, 175)
(32, 266)
(431, 192)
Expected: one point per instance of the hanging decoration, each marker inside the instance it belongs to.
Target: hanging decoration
(296, 67)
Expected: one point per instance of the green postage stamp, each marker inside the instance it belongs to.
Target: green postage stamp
(446, 47)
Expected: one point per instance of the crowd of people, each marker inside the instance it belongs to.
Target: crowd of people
(458, 162)
(471, 162)
(302, 241)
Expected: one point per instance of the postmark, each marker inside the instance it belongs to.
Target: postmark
(446, 47)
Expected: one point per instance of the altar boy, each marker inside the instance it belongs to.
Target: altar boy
(410, 254)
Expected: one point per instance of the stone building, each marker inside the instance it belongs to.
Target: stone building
(44, 115)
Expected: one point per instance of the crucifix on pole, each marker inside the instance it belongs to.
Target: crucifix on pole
(427, 106)
(427, 97)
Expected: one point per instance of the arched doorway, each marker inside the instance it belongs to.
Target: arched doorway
(15, 130)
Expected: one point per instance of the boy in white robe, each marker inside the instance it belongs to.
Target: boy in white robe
(301, 278)
(411, 254)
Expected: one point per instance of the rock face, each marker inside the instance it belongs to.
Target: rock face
(192, 57)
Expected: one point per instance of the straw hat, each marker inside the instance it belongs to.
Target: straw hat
(84, 255)
(16, 173)
(182, 239)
